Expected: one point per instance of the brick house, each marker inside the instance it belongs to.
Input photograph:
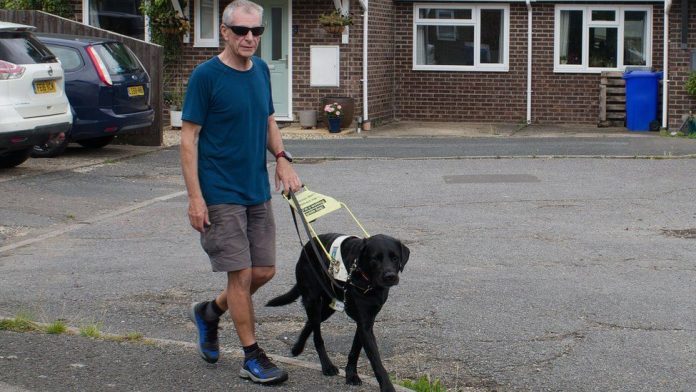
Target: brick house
(449, 61)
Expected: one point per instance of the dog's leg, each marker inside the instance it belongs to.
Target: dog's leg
(316, 313)
(301, 340)
(367, 337)
(352, 377)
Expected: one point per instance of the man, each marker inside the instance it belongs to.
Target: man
(228, 124)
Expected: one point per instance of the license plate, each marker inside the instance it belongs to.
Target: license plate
(136, 91)
(44, 86)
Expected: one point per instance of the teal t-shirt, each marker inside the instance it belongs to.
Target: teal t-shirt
(232, 108)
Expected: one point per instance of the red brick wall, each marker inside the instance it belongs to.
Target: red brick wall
(304, 16)
(460, 96)
(501, 96)
(381, 48)
(679, 103)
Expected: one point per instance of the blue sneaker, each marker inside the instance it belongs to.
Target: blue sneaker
(260, 369)
(208, 345)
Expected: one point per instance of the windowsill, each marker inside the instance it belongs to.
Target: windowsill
(209, 44)
(587, 70)
(455, 68)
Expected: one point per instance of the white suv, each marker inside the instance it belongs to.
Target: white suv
(33, 105)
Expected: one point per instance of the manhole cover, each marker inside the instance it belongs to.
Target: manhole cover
(490, 178)
(682, 233)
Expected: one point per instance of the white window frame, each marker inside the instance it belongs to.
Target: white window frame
(475, 21)
(210, 42)
(587, 23)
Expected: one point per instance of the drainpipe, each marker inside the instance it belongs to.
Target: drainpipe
(529, 61)
(665, 64)
(364, 4)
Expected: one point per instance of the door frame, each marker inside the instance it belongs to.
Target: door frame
(290, 116)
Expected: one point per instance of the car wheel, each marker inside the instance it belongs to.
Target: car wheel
(97, 142)
(52, 148)
(14, 158)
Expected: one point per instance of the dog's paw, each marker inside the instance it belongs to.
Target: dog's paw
(296, 350)
(330, 370)
(353, 379)
(387, 388)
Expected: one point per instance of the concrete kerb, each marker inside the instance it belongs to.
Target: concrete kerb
(73, 331)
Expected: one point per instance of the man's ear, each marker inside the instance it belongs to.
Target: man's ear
(405, 254)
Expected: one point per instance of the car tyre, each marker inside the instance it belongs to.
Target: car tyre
(97, 142)
(14, 158)
(53, 147)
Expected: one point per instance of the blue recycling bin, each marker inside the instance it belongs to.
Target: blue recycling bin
(641, 98)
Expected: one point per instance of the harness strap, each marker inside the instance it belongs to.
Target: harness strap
(331, 292)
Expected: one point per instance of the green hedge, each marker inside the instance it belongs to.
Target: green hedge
(57, 7)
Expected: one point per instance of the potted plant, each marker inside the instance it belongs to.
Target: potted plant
(334, 112)
(175, 100)
(335, 21)
(690, 87)
(166, 26)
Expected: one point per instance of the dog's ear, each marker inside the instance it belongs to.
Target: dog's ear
(405, 254)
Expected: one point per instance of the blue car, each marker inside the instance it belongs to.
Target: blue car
(108, 89)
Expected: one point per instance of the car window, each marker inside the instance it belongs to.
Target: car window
(118, 58)
(69, 58)
(23, 48)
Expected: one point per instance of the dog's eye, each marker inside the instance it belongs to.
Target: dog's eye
(395, 259)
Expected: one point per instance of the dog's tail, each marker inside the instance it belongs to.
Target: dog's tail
(289, 297)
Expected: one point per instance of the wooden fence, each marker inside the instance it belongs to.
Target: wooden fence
(151, 55)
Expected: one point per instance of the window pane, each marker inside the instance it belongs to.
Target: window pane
(603, 47)
(120, 16)
(441, 13)
(603, 16)
(634, 37)
(571, 38)
(445, 45)
(277, 31)
(70, 58)
(492, 36)
(207, 25)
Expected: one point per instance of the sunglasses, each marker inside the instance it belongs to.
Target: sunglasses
(243, 30)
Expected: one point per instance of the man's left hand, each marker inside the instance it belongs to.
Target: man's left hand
(285, 175)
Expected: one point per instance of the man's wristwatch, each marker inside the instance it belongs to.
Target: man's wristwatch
(284, 154)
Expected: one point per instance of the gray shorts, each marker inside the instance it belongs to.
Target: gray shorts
(240, 237)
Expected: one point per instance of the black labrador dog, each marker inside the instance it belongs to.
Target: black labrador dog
(373, 266)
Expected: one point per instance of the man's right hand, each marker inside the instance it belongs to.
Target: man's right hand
(198, 214)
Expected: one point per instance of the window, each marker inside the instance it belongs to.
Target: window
(70, 59)
(458, 37)
(207, 24)
(120, 16)
(595, 39)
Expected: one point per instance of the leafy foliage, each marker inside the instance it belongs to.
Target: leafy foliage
(57, 7)
(690, 85)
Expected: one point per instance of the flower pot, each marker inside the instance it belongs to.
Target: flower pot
(308, 118)
(334, 29)
(348, 105)
(334, 124)
(175, 118)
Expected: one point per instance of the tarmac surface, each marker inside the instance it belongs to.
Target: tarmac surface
(597, 286)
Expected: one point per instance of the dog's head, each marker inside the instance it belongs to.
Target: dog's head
(382, 258)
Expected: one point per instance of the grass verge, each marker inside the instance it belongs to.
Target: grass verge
(423, 384)
(21, 323)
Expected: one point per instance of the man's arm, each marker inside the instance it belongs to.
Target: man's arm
(285, 174)
(197, 211)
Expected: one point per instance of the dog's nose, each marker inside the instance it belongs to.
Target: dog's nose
(391, 278)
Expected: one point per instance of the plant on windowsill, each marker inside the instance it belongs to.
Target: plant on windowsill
(335, 21)
(334, 113)
(167, 28)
